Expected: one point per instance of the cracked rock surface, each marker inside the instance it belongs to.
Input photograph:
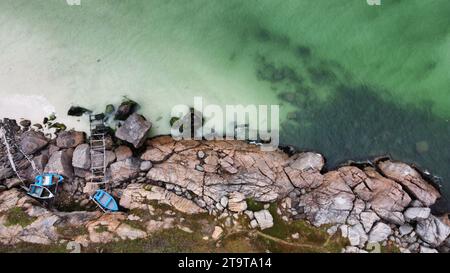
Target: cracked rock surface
(386, 202)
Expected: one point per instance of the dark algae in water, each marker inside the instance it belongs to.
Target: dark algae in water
(346, 120)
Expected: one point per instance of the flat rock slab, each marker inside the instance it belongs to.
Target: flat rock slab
(410, 179)
(136, 196)
(70, 139)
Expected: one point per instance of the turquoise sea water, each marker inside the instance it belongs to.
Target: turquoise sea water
(354, 81)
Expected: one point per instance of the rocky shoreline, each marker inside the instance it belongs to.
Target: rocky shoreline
(162, 184)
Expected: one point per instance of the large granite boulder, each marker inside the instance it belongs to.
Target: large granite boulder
(125, 109)
(70, 139)
(411, 180)
(432, 230)
(61, 163)
(32, 141)
(40, 161)
(386, 197)
(134, 130)
(223, 167)
(330, 203)
(347, 192)
(379, 233)
(304, 170)
(307, 161)
(125, 170)
(356, 235)
(110, 157)
(82, 157)
(123, 152)
(417, 213)
(236, 202)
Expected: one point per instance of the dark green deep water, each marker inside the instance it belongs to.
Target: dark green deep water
(354, 81)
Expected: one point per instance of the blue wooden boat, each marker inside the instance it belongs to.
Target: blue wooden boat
(48, 179)
(40, 192)
(105, 201)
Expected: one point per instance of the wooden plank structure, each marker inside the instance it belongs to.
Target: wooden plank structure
(98, 148)
(98, 130)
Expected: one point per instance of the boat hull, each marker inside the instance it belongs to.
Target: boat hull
(105, 201)
(40, 192)
(48, 179)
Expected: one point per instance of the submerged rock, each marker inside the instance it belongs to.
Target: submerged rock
(422, 147)
(109, 109)
(77, 111)
(134, 130)
(25, 123)
(125, 109)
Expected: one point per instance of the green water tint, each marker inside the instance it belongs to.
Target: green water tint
(354, 81)
(346, 120)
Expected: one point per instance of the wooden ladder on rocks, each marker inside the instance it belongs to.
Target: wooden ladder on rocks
(98, 148)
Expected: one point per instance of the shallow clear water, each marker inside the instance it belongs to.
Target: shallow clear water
(354, 81)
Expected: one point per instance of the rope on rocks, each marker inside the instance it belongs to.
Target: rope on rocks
(8, 143)
(10, 157)
(33, 165)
